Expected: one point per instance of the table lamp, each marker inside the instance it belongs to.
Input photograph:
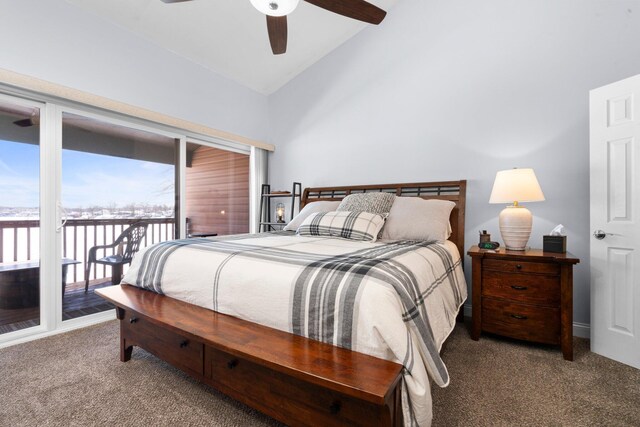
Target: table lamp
(515, 186)
(280, 212)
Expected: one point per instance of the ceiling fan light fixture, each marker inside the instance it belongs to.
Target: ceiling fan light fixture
(275, 7)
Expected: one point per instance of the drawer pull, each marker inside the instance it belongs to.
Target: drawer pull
(133, 320)
(519, 266)
(232, 363)
(184, 343)
(519, 288)
(335, 407)
(519, 316)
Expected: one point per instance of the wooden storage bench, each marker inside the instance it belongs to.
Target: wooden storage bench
(294, 379)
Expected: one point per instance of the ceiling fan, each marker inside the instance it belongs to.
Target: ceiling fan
(277, 11)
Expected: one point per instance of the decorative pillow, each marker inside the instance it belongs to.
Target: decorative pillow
(413, 218)
(348, 225)
(377, 203)
(310, 208)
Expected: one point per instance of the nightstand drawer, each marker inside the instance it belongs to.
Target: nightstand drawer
(521, 266)
(521, 321)
(532, 289)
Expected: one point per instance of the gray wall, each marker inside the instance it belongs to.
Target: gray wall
(460, 89)
(58, 42)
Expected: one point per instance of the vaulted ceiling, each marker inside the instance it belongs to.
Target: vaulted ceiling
(230, 36)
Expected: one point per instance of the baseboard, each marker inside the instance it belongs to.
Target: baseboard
(580, 330)
(467, 310)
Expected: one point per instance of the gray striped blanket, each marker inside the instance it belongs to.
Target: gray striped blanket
(394, 300)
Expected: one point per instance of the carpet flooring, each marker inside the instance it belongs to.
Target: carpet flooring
(76, 379)
(501, 382)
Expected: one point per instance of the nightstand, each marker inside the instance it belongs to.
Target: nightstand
(526, 295)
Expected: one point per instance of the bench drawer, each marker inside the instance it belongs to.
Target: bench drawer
(173, 348)
(290, 398)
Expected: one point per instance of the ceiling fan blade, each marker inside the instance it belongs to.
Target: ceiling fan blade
(277, 28)
(356, 9)
(24, 123)
(173, 1)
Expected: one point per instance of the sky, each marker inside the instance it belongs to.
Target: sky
(87, 179)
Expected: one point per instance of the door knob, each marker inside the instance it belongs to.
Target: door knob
(599, 234)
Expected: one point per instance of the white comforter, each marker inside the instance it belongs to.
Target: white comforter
(396, 301)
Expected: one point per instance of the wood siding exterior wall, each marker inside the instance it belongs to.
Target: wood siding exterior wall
(217, 192)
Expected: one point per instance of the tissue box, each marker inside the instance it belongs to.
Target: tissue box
(554, 244)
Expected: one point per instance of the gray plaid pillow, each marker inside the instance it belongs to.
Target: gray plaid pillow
(348, 225)
(377, 203)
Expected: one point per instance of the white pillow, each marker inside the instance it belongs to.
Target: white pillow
(347, 225)
(413, 218)
(310, 208)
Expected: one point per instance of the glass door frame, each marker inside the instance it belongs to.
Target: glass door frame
(47, 210)
(179, 166)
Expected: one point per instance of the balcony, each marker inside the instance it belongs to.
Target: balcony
(19, 246)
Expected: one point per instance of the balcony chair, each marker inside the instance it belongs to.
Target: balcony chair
(128, 243)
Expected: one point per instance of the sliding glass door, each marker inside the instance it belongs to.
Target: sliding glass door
(20, 280)
(119, 195)
(81, 193)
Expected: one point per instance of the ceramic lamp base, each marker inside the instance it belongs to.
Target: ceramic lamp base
(515, 227)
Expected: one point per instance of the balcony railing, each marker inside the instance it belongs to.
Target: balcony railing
(19, 240)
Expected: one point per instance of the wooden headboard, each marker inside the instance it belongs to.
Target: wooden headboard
(447, 190)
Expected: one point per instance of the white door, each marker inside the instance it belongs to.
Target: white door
(615, 218)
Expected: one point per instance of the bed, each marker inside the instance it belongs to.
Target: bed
(362, 322)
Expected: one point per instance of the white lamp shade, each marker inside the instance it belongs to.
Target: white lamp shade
(516, 185)
(275, 7)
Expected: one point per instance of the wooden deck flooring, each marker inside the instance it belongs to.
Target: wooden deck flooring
(76, 303)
